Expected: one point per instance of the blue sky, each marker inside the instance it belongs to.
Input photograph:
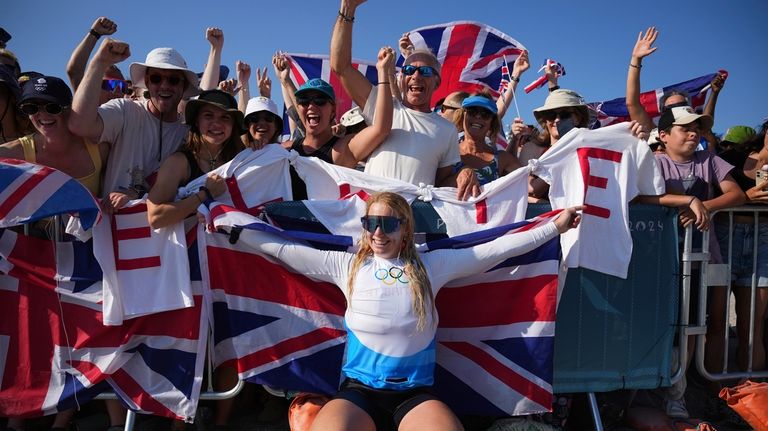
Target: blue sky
(593, 40)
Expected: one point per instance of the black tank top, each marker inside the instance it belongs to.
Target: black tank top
(324, 153)
(194, 169)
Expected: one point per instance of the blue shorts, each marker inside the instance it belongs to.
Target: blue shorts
(743, 243)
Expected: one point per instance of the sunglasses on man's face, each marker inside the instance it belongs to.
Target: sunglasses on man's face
(114, 84)
(172, 80)
(552, 115)
(34, 108)
(317, 101)
(425, 71)
(388, 224)
(444, 108)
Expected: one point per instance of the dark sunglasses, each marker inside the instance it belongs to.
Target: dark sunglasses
(444, 108)
(425, 71)
(255, 118)
(34, 108)
(480, 112)
(172, 80)
(317, 101)
(388, 224)
(113, 84)
(552, 115)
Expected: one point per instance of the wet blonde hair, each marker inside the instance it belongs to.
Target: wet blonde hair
(414, 269)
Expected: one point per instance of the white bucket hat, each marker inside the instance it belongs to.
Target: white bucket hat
(563, 99)
(352, 117)
(165, 58)
(261, 103)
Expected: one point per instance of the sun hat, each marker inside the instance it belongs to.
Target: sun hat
(165, 58)
(479, 102)
(738, 134)
(218, 99)
(563, 98)
(317, 84)
(47, 88)
(7, 78)
(261, 104)
(682, 115)
(352, 117)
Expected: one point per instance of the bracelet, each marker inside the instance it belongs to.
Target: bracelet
(346, 18)
(208, 194)
(93, 33)
(691, 201)
(198, 197)
(556, 87)
(514, 78)
(383, 82)
(636, 66)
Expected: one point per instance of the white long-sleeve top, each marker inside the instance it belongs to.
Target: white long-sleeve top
(384, 347)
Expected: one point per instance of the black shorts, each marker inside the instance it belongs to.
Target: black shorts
(385, 406)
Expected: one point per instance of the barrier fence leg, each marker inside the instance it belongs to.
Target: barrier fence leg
(130, 420)
(595, 411)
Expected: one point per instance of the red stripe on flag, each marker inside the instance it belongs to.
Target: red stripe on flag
(502, 302)
(495, 368)
(140, 396)
(23, 190)
(462, 43)
(133, 233)
(287, 348)
(136, 209)
(233, 271)
(481, 211)
(344, 190)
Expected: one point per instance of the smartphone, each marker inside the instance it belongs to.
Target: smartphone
(761, 176)
(4, 36)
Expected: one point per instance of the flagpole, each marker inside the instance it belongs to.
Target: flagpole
(512, 87)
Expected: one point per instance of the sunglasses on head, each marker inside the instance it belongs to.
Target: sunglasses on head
(34, 108)
(172, 80)
(113, 84)
(479, 112)
(552, 115)
(255, 118)
(317, 100)
(388, 224)
(425, 71)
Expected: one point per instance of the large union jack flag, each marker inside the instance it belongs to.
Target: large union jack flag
(495, 339)
(472, 55)
(615, 110)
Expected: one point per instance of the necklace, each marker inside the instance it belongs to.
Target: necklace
(211, 158)
(689, 178)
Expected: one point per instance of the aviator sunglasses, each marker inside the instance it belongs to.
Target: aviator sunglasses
(388, 224)
(171, 80)
(425, 71)
(34, 108)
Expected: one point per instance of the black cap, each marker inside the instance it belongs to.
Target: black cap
(47, 88)
(7, 78)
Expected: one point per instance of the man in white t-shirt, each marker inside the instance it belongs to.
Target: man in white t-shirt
(141, 134)
(422, 147)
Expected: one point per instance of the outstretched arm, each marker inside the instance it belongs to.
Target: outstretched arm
(243, 73)
(354, 82)
(84, 120)
(696, 213)
(103, 26)
(210, 79)
(447, 265)
(363, 144)
(521, 65)
(717, 84)
(643, 48)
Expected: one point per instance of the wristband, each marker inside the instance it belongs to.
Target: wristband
(93, 33)
(514, 79)
(636, 66)
(198, 197)
(208, 194)
(346, 18)
(556, 87)
(691, 201)
(383, 82)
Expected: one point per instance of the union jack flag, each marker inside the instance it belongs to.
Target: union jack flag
(31, 192)
(309, 66)
(615, 110)
(471, 54)
(287, 330)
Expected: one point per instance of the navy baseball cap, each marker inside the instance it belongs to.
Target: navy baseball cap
(317, 84)
(47, 88)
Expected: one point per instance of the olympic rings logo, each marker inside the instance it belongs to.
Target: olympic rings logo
(391, 276)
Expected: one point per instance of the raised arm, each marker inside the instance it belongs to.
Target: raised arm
(243, 73)
(103, 26)
(643, 48)
(84, 120)
(447, 265)
(282, 68)
(717, 84)
(520, 66)
(363, 144)
(354, 82)
(210, 79)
